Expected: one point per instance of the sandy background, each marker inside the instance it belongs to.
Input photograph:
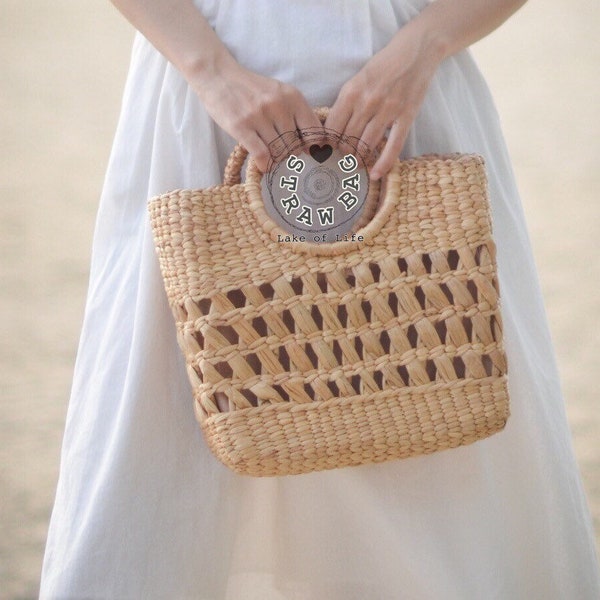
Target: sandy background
(62, 71)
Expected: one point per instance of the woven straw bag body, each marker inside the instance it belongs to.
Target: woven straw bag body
(342, 353)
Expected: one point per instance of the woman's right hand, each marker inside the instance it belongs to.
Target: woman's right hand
(256, 110)
(253, 109)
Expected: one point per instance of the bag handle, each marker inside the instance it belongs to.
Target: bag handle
(233, 169)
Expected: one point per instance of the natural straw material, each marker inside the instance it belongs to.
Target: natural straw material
(341, 353)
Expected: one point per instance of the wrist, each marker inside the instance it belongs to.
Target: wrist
(201, 70)
(431, 39)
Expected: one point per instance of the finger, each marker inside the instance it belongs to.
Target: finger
(276, 125)
(357, 124)
(309, 125)
(391, 151)
(272, 140)
(370, 138)
(338, 116)
(337, 119)
(284, 123)
(257, 149)
(347, 140)
(305, 117)
(288, 140)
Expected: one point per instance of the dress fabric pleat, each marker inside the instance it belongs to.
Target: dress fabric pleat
(144, 511)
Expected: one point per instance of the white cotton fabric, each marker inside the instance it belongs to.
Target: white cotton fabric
(144, 511)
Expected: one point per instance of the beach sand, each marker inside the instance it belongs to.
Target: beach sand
(63, 69)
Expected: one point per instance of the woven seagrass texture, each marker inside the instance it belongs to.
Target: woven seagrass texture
(307, 356)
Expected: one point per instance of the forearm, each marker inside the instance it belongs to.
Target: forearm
(387, 93)
(252, 108)
(448, 26)
(181, 33)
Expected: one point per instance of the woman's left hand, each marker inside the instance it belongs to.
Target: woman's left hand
(387, 93)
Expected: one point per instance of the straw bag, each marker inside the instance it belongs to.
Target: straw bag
(343, 353)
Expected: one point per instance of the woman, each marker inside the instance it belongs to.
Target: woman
(143, 510)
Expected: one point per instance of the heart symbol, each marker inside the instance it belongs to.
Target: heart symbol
(320, 153)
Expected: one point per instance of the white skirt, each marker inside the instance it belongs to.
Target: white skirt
(144, 511)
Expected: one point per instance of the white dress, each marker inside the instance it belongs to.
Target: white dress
(143, 510)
